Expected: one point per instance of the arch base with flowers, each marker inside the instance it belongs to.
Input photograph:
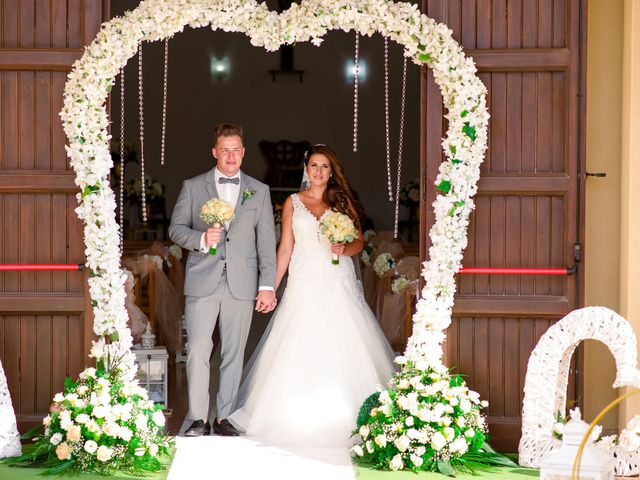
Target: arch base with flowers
(86, 122)
(427, 420)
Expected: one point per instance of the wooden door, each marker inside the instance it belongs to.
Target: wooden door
(529, 54)
(45, 319)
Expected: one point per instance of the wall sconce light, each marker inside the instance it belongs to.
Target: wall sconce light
(220, 68)
(350, 70)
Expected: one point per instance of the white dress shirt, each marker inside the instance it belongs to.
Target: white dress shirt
(229, 192)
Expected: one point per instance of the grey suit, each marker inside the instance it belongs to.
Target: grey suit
(222, 286)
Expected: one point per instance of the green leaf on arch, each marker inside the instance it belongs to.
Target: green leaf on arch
(444, 186)
(89, 189)
(425, 57)
(469, 131)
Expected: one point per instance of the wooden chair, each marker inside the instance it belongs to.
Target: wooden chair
(145, 298)
(409, 310)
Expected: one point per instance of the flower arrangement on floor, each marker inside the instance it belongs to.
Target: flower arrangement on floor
(101, 423)
(427, 420)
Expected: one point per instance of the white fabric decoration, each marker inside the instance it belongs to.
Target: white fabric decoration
(9, 437)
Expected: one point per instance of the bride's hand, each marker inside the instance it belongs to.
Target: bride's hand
(265, 301)
(338, 248)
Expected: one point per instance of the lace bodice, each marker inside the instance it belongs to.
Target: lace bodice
(310, 265)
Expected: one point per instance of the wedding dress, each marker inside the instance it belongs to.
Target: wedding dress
(322, 354)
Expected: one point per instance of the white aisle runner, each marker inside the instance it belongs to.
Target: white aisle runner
(241, 458)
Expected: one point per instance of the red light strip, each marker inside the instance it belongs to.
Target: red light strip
(517, 271)
(12, 267)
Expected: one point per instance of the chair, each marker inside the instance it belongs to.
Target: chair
(145, 298)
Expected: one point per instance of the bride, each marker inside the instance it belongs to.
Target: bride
(323, 352)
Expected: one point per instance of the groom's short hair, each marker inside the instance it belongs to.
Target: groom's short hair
(227, 130)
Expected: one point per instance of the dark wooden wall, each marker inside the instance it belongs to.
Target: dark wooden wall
(45, 320)
(528, 207)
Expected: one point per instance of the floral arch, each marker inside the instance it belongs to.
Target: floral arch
(425, 41)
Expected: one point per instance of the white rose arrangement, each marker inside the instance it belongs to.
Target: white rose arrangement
(101, 423)
(175, 251)
(217, 212)
(383, 263)
(399, 284)
(367, 250)
(338, 228)
(428, 420)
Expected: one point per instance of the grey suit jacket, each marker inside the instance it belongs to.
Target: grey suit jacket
(248, 247)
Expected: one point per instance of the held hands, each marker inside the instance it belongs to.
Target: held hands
(265, 301)
(338, 248)
(212, 236)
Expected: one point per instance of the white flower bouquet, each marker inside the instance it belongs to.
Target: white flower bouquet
(153, 189)
(366, 254)
(217, 212)
(399, 284)
(410, 192)
(338, 228)
(427, 420)
(103, 424)
(383, 263)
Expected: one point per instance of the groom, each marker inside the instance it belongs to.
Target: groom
(223, 287)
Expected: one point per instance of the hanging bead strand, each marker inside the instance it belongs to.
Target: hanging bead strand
(355, 91)
(386, 117)
(164, 101)
(400, 145)
(121, 160)
(143, 195)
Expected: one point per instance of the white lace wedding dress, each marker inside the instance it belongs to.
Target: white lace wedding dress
(321, 356)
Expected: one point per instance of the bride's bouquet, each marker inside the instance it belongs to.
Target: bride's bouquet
(338, 228)
(216, 212)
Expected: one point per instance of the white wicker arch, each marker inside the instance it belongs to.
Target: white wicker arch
(545, 387)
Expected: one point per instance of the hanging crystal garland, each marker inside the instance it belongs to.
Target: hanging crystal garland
(386, 117)
(400, 145)
(121, 160)
(143, 196)
(164, 101)
(356, 74)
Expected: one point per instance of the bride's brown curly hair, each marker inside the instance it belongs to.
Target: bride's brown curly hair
(339, 195)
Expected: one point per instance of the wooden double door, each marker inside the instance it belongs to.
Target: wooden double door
(45, 317)
(530, 55)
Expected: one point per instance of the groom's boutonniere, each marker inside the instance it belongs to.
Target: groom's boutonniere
(247, 193)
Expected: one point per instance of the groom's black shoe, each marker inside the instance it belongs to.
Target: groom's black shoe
(224, 428)
(198, 429)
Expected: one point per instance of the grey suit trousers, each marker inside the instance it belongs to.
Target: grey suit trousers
(201, 315)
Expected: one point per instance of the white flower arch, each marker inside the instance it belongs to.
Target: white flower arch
(85, 123)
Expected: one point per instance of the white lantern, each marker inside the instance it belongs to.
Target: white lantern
(594, 465)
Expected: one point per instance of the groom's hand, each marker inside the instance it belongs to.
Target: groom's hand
(265, 301)
(212, 236)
